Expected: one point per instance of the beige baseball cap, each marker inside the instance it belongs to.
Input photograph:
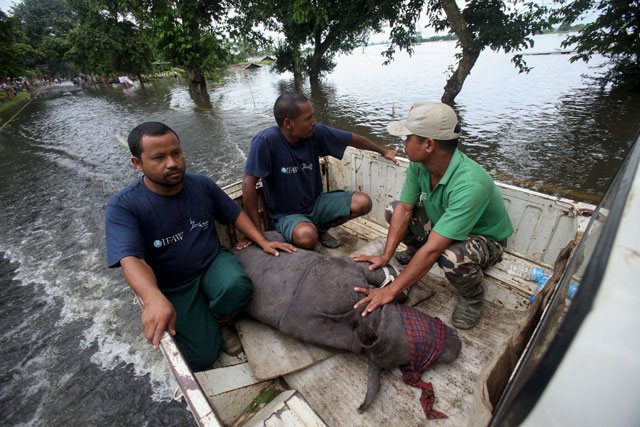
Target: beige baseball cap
(428, 120)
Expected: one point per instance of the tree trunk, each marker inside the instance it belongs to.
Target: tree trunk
(198, 88)
(297, 70)
(201, 100)
(470, 51)
(140, 80)
(314, 67)
(455, 82)
(320, 48)
(197, 81)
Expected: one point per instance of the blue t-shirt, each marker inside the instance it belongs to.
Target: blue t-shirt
(291, 172)
(175, 235)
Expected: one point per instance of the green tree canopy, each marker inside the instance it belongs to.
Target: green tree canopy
(46, 24)
(108, 40)
(44, 18)
(329, 27)
(17, 57)
(186, 34)
(614, 34)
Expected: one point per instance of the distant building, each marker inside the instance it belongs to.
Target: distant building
(260, 59)
(244, 67)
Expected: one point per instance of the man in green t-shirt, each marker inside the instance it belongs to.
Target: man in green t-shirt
(450, 212)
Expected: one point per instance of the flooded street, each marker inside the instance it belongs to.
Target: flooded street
(72, 347)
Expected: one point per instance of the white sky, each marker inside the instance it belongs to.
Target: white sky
(6, 4)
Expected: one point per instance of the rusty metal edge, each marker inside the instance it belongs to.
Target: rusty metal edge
(197, 400)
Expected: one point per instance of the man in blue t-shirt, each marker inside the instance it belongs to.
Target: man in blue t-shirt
(286, 158)
(161, 230)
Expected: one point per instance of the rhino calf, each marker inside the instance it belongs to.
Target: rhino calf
(310, 297)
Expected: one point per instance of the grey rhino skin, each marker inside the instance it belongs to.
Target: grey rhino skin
(310, 297)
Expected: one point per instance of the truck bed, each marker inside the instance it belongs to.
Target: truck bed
(335, 385)
(326, 388)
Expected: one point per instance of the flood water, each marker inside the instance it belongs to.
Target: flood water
(72, 351)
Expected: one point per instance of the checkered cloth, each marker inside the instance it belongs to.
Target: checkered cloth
(426, 343)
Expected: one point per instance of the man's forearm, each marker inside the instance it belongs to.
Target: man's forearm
(140, 278)
(397, 228)
(159, 314)
(250, 199)
(249, 229)
(362, 143)
(421, 262)
(419, 265)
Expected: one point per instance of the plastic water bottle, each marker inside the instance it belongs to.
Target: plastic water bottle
(573, 289)
(535, 274)
(539, 285)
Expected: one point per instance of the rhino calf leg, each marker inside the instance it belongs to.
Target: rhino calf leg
(373, 384)
(453, 346)
(380, 276)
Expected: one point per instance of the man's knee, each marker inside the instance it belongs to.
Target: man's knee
(360, 204)
(226, 285)
(460, 267)
(239, 291)
(305, 235)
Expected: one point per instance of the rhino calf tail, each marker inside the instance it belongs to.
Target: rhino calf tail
(373, 384)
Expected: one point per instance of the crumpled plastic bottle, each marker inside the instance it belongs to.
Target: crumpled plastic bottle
(535, 274)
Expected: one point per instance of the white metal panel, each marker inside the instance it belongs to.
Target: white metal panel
(542, 224)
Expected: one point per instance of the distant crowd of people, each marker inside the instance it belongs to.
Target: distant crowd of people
(81, 80)
(84, 81)
(13, 87)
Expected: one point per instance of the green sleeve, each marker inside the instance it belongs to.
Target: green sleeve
(463, 211)
(411, 190)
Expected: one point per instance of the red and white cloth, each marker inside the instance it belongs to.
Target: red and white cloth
(426, 343)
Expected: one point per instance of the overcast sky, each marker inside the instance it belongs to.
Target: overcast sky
(6, 4)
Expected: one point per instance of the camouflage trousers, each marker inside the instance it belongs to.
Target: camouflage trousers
(463, 261)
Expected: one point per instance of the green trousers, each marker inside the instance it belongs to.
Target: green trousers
(224, 288)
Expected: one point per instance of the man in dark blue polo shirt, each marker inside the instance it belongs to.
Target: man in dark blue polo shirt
(286, 158)
(161, 230)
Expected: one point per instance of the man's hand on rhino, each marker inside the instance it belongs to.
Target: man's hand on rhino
(376, 297)
(272, 248)
(375, 260)
(243, 244)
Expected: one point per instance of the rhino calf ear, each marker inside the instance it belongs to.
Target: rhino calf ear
(364, 335)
